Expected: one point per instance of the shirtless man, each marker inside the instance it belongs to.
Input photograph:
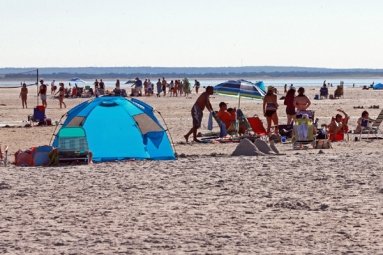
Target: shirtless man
(301, 102)
(197, 112)
(43, 93)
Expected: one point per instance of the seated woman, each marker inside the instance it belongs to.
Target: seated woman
(338, 124)
(362, 121)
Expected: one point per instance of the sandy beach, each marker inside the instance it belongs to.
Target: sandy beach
(206, 202)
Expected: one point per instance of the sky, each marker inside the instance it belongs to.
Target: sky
(191, 33)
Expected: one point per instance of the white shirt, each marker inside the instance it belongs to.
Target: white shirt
(53, 83)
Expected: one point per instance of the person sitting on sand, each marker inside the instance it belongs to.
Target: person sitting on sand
(197, 112)
(362, 121)
(228, 117)
(338, 124)
(23, 95)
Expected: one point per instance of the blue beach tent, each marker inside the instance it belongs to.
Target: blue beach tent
(378, 86)
(117, 129)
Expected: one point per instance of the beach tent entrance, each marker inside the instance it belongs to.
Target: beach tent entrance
(118, 129)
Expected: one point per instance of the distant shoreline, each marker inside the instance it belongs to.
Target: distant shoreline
(192, 77)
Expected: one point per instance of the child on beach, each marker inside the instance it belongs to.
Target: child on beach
(23, 95)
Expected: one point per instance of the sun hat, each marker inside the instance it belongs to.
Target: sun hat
(293, 88)
(270, 88)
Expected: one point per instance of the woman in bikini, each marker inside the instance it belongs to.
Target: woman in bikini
(61, 95)
(23, 95)
(270, 106)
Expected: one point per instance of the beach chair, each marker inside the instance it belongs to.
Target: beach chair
(4, 155)
(38, 116)
(73, 145)
(303, 133)
(222, 126)
(257, 126)
(373, 127)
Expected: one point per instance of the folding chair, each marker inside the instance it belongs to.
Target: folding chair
(4, 155)
(257, 126)
(73, 145)
(374, 127)
(38, 115)
(303, 133)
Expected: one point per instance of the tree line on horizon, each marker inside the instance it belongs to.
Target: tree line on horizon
(197, 75)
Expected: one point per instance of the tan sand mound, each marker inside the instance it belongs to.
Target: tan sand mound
(263, 147)
(272, 146)
(246, 148)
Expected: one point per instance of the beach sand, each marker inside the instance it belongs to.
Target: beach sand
(206, 202)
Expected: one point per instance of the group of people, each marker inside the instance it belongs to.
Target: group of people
(296, 107)
(42, 93)
(173, 89)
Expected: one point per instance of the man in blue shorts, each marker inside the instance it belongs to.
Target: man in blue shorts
(197, 112)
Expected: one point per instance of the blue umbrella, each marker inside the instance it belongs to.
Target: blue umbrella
(241, 89)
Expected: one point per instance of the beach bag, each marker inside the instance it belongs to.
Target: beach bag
(323, 144)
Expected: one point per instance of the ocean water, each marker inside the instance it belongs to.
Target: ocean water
(278, 82)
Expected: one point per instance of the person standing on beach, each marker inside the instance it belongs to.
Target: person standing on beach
(285, 88)
(61, 95)
(159, 87)
(301, 102)
(43, 93)
(95, 85)
(196, 85)
(53, 87)
(290, 108)
(197, 112)
(171, 88)
(23, 95)
(164, 83)
(138, 86)
(102, 87)
(146, 89)
(270, 107)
